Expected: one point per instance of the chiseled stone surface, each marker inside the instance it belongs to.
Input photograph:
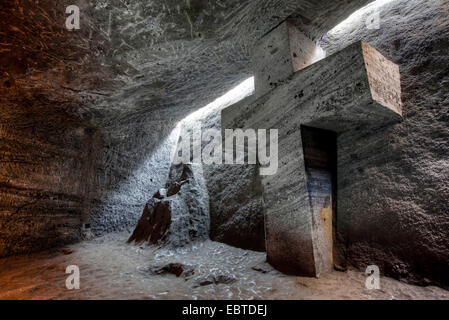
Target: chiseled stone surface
(179, 214)
(137, 67)
(47, 176)
(234, 192)
(280, 53)
(133, 70)
(236, 210)
(320, 165)
(132, 166)
(333, 94)
(402, 225)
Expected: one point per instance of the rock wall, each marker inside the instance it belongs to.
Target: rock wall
(47, 177)
(133, 165)
(334, 94)
(402, 224)
(235, 195)
(392, 181)
(178, 214)
(89, 115)
(237, 216)
(48, 154)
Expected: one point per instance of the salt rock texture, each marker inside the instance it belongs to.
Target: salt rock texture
(385, 217)
(88, 119)
(235, 195)
(133, 70)
(113, 269)
(178, 269)
(48, 153)
(237, 216)
(333, 94)
(179, 214)
(155, 222)
(402, 224)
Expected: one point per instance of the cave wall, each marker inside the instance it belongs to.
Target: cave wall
(234, 192)
(392, 195)
(133, 165)
(47, 177)
(392, 180)
(177, 57)
(88, 116)
(237, 216)
(48, 154)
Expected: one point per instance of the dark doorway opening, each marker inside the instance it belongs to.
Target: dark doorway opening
(320, 160)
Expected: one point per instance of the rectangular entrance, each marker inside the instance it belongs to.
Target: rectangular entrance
(320, 160)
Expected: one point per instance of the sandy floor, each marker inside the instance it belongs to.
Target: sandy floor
(112, 269)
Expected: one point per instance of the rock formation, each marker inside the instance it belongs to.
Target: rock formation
(402, 225)
(130, 74)
(177, 215)
(88, 125)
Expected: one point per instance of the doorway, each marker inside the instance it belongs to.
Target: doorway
(320, 161)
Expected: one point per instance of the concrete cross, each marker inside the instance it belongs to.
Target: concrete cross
(310, 104)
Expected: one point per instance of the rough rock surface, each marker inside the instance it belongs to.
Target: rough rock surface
(113, 269)
(235, 197)
(215, 280)
(136, 68)
(177, 215)
(155, 222)
(334, 94)
(178, 269)
(47, 153)
(133, 70)
(237, 216)
(47, 175)
(402, 225)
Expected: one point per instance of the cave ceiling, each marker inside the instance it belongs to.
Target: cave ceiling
(134, 60)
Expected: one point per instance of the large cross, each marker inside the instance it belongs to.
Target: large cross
(310, 104)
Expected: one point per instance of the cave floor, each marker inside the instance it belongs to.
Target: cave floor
(112, 269)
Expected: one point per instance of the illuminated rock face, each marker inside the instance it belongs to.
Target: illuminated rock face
(279, 54)
(107, 97)
(389, 175)
(178, 215)
(131, 72)
(336, 94)
(401, 225)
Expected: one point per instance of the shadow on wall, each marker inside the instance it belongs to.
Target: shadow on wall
(402, 225)
(235, 195)
(47, 176)
(136, 163)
